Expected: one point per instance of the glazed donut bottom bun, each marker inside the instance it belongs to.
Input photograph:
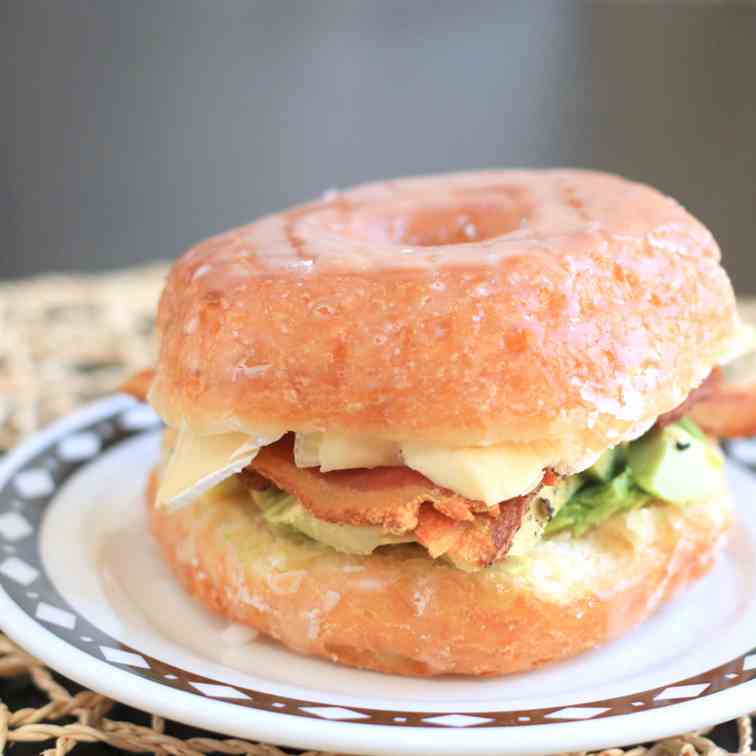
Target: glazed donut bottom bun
(398, 611)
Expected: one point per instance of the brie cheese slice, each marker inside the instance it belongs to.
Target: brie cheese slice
(197, 463)
(490, 474)
(307, 449)
(341, 451)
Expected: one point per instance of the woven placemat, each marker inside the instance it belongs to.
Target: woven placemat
(67, 340)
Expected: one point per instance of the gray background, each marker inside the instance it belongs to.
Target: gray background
(131, 128)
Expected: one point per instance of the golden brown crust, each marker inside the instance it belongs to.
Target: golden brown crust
(398, 612)
(599, 306)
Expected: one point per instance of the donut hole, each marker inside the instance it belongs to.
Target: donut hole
(428, 223)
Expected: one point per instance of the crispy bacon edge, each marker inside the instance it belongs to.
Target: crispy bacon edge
(138, 385)
(722, 410)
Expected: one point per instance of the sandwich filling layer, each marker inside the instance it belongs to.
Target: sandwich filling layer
(486, 475)
(357, 511)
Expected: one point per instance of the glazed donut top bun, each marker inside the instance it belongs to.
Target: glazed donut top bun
(563, 308)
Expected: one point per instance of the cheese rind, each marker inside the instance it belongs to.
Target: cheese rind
(198, 463)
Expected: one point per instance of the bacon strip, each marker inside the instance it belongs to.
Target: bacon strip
(400, 501)
(138, 385)
(390, 497)
(711, 385)
(722, 409)
(472, 544)
(730, 412)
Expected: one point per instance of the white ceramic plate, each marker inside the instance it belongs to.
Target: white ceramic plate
(82, 588)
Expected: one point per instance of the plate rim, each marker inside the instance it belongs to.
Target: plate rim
(299, 731)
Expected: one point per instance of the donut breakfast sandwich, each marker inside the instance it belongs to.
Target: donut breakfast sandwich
(458, 424)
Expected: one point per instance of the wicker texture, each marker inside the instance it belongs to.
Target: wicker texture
(64, 341)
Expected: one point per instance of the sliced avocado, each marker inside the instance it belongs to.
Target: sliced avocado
(596, 502)
(281, 509)
(605, 467)
(676, 463)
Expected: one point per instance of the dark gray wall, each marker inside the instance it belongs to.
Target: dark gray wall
(131, 128)
(674, 104)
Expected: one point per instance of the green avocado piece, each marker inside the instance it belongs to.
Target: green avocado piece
(281, 509)
(596, 502)
(677, 463)
(605, 467)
